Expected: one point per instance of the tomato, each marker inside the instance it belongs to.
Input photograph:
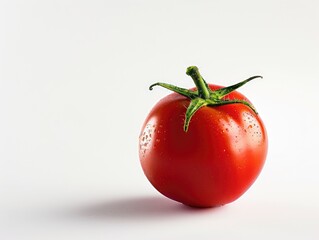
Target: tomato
(203, 156)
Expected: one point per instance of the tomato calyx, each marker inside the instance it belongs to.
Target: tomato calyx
(203, 95)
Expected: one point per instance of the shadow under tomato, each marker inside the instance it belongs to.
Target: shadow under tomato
(138, 208)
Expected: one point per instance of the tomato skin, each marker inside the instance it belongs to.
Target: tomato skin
(211, 164)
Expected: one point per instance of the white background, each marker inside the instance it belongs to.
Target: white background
(74, 79)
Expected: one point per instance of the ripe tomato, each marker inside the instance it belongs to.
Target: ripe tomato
(213, 160)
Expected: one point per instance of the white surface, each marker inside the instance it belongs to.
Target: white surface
(74, 79)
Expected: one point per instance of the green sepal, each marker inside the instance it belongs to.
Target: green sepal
(193, 107)
(203, 95)
(233, 101)
(220, 93)
(183, 91)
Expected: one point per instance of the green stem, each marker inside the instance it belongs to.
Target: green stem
(202, 87)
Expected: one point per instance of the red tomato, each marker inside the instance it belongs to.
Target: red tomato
(212, 163)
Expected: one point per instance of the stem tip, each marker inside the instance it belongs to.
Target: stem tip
(191, 70)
